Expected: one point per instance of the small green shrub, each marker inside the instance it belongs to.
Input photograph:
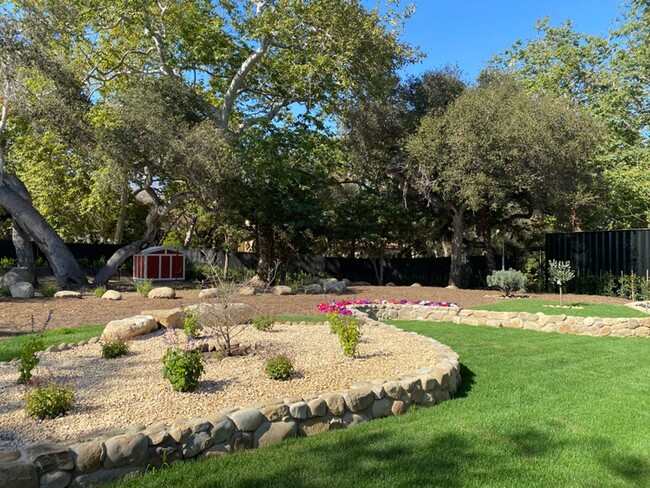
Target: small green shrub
(28, 359)
(7, 262)
(508, 281)
(41, 262)
(114, 349)
(182, 369)
(5, 292)
(99, 291)
(49, 289)
(190, 324)
(263, 323)
(49, 401)
(279, 368)
(144, 287)
(349, 333)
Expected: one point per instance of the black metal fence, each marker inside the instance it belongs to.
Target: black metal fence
(596, 253)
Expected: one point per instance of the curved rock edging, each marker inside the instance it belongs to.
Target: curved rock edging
(563, 324)
(126, 452)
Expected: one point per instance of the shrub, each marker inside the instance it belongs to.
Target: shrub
(114, 349)
(5, 292)
(190, 324)
(144, 287)
(49, 289)
(28, 359)
(7, 262)
(508, 281)
(99, 291)
(279, 368)
(263, 323)
(182, 368)
(49, 401)
(349, 333)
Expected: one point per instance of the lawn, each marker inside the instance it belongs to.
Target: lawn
(586, 309)
(534, 410)
(10, 348)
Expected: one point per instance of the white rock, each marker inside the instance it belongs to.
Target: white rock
(67, 294)
(209, 293)
(128, 328)
(162, 292)
(22, 289)
(112, 295)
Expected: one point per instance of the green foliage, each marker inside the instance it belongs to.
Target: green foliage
(99, 291)
(28, 359)
(190, 323)
(279, 368)
(348, 330)
(144, 287)
(41, 262)
(196, 272)
(114, 349)
(560, 272)
(508, 281)
(263, 323)
(5, 292)
(49, 289)
(49, 401)
(182, 369)
(7, 262)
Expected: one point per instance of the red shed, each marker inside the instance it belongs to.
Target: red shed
(159, 263)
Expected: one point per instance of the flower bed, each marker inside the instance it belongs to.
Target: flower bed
(341, 306)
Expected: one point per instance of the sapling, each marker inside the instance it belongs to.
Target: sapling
(560, 273)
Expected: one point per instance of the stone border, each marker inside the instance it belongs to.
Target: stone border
(563, 324)
(128, 452)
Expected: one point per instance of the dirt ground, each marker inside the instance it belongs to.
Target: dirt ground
(16, 314)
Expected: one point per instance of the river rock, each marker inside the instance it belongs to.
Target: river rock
(22, 289)
(126, 449)
(162, 292)
(112, 295)
(128, 328)
(16, 275)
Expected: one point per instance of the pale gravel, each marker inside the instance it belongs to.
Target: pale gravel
(130, 390)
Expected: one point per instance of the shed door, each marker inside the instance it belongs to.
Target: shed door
(153, 267)
(177, 267)
(165, 267)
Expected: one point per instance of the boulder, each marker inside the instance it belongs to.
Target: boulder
(162, 292)
(22, 289)
(170, 318)
(314, 289)
(209, 293)
(126, 450)
(281, 290)
(271, 432)
(128, 328)
(112, 295)
(247, 290)
(347, 282)
(67, 294)
(336, 287)
(16, 275)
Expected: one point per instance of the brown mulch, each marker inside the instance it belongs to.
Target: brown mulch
(16, 314)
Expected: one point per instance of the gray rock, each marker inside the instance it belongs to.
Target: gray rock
(337, 287)
(222, 427)
(335, 403)
(22, 289)
(299, 410)
(112, 295)
(16, 275)
(351, 419)
(217, 450)
(196, 443)
(313, 426)
(18, 474)
(273, 412)
(104, 476)
(49, 457)
(162, 292)
(180, 430)
(242, 441)
(88, 456)
(67, 294)
(8, 456)
(247, 420)
(429, 382)
(166, 454)
(390, 283)
(399, 407)
(314, 289)
(128, 328)
(358, 399)
(55, 479)
(247, 290)
(271, 432)
(347, 282)
(157, 434)
(126, 449)
(209, 293)
(416, 394)
(281, 290)
(317, 407)
(381, 408)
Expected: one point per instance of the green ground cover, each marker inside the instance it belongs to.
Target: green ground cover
(10, 348)
(586, 309)
(534, 410)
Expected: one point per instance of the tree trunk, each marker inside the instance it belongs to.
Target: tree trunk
(458, 268)
(67, 271)
(190, 232)
(24, 250)
(121, 219)
(226, 264)
(486, 236)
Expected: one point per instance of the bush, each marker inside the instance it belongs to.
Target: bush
(99, 291)
(28, 359)
(49, 289)
(114, 349)
(49, 401)
(263, 323)
(348, 329)
(182, 368)
(144, 287)
(5, 292)
(508, 281)
(7, 262)
(190, 324)
(279, 368)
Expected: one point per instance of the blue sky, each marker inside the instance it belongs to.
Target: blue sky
(469, 32)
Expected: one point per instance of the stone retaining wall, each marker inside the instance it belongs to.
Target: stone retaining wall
(129, 452)
(564, 324)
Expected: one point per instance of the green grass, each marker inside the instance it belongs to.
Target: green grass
(534, 410)
(10, 348)
(588, 309)
(300, 318)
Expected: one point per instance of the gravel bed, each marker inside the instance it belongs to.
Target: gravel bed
(130, 390)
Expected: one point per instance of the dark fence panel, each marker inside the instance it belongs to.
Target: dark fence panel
(91, 252)
(595, 253)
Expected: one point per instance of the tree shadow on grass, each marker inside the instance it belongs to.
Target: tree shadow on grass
(467, 382)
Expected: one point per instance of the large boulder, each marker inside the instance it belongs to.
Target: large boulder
(247, 291)
(16, 275)
(112, 295)
(314, 289)
(170, 318)
(209, 293)
(162, 292)
(128, 328)
(336, 287)
(217, 314)
(22, 289)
